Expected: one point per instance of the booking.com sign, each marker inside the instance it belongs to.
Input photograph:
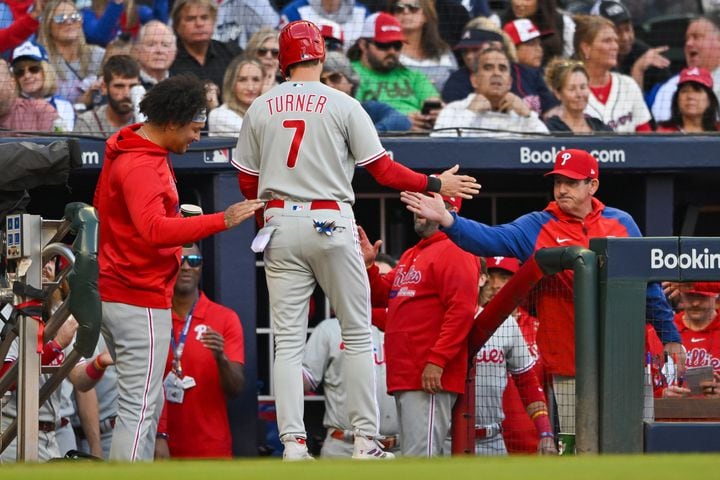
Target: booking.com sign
(529, 155)
(664, 258)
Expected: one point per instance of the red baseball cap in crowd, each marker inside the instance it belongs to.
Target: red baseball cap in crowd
(523, 30)
(696, 75)
(704, 293)
(332, 30)
(510, 264)
(576, 164)
(382, 28)
(456, 202)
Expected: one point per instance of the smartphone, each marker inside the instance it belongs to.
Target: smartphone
(430, 105)
(695, 376)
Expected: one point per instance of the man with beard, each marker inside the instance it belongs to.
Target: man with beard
(120, 74)
(207, 354)
(376, 59)
(430, 313)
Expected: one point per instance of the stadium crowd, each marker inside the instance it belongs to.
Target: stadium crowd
(437, 67)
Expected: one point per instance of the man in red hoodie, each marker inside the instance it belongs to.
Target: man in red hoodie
(141, 234)
(431, 301)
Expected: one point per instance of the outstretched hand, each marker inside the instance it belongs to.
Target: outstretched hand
(453, 185)
(431, 208)
(369, 250)
(238, 212)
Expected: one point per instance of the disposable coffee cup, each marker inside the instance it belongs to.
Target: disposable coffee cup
(566, 444)
(190, 210)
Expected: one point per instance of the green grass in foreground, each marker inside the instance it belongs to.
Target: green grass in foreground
(633, 467)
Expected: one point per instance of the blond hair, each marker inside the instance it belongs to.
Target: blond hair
(228, 93)
(587, 27)
(559, 69)
(46, 40)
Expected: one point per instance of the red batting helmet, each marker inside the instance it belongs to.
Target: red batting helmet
(300, 41)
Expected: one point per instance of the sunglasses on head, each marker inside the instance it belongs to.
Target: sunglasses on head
(67, 18)
(406, 7)
(264, 51)
(388, 46)
(334, 77)
(19, 72)
(193, 261)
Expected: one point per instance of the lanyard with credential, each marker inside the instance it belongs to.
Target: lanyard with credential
(178, 348)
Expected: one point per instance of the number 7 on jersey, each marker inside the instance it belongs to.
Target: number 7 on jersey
(299, 127)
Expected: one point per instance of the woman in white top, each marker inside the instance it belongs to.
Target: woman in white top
(242, 84)
(76, 63)
(424, 50)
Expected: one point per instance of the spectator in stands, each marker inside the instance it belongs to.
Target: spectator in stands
(36, 78)
(527, 82)
(16, 29)
(154, 50)
(694, 104)
(193, 22)
(238, 20)
(76, 63)
(571, 219)
(338, 74)
(120, 74)
(243, 83)
(207, 349)
(568, 80)
(376, 59)
(547, 17)
(430, 311)
(424, 50)
(333, 35)
(645, 65)
(615, 99)
(22, 114)
(349, 14)
(105, 20)
(264, 46)
(493, 109)
(526, 37)
(504, 359)
(702, 50)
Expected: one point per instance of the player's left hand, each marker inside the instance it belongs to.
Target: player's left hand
(214, 341)
(463, 186)
(546, 446)
(431, 378)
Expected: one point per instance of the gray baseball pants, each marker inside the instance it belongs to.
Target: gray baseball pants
(424, 422)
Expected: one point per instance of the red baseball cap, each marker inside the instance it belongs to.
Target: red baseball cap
(697, 75)
(576, 164)
(330, 29)
(510, 264)
(382, 28)
(523, 30)
(456, 202)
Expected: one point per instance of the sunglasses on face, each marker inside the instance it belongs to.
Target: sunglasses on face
(262, 52)
(193, 261)
(388, 46)
(67, 18)
(19, 72)
(405, 7)
(335, 77)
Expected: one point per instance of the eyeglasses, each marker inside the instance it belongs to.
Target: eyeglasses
(387, 46)
(67, 18)
(193, 261)
(406, 7)
(19, 72)
(262, 52)
(335, 77)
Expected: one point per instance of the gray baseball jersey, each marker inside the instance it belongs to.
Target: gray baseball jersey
(504, 353)
(323, 363)
(304, 140)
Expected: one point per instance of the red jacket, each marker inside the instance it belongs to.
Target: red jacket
(141, 230)
(431, 296)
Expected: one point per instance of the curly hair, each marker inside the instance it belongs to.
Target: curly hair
(559, 69)
(175, 100)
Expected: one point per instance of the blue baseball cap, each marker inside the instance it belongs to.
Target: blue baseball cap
(31, 51)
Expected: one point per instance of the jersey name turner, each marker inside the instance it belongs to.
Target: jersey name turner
(290, 102)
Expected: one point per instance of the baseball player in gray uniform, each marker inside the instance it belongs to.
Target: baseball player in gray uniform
(323, 363)
(297, 150)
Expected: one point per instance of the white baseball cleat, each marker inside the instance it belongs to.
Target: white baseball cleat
(369, 449)
(295, 449)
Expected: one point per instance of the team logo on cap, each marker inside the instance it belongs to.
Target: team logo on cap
(565, 157)
(390, 28)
